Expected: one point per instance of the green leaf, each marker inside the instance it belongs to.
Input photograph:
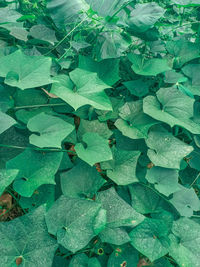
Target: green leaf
(192, 71)
(123, 255)
(27, 238)
(106, 8)
(81, 260)
(122, 169)
(165, 150)
(176, 110)
(87, 89)
(45, 194)
(185, 242)
(94, 126)
(146, 200)
(6, 178)
(134, 123)
(81, 181)
(25, 71)
(119, 212)
(52, 130)
(9, 14)
(151, 238)
(111, 44)
(144, 16)
(72, 221)
(115, 236)
(35, 169)
(183, 51)
(186, 201)
(96, 150)
(6, 101)
(138, 87)
(165, 180)
(63, 12)
(5, 122)
(187, 3)
(107, 70)
(41, 32)
(148, 67)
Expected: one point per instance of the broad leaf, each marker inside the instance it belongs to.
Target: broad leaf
(5, 122)
(72, 221)
(35, 169)
(94, 126)
(115, 236)
(151, 238)
(176, 110)
(138, 87)
(52, 130)
(41, 32)
(165, 180)
(122, 169)
(165, 150)
(119, 212)
(148, 67)
(66, 13)
(106, 8)
(123, 255)
(25, 71)
(6, 178)
(81, 181)
(187, 3)
(134, 123)
(183, 51)
(96, 150)
(111, 44)
(87, 89)
(107, 69)
(144, 16)
(45, 194)
(145, 199)
(185, 242)
(186, 201)
(27, 238)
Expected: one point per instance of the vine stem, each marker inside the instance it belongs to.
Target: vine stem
(38, 149)
(65, 37)
(42, 105)
(195, 180)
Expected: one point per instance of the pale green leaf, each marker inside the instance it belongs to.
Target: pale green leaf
(87, 89)
(25, 71)
(35, 169)
(72, 221)
(185, 242)
(148, 67)
(165, 150)
(96, 150)
(172, 107)
(52, 130)
(27, 238)
(122, 169)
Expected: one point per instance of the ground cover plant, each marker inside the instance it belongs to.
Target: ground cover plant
(99, 133)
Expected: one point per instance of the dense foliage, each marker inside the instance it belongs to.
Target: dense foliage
(100, 133)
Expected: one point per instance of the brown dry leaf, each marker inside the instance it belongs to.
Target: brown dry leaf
(98, 167)
(49, 94)
(6, 200)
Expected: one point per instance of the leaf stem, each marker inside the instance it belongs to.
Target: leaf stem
(42, 105)
(195, 180)
(65, 37)
(38, 149)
